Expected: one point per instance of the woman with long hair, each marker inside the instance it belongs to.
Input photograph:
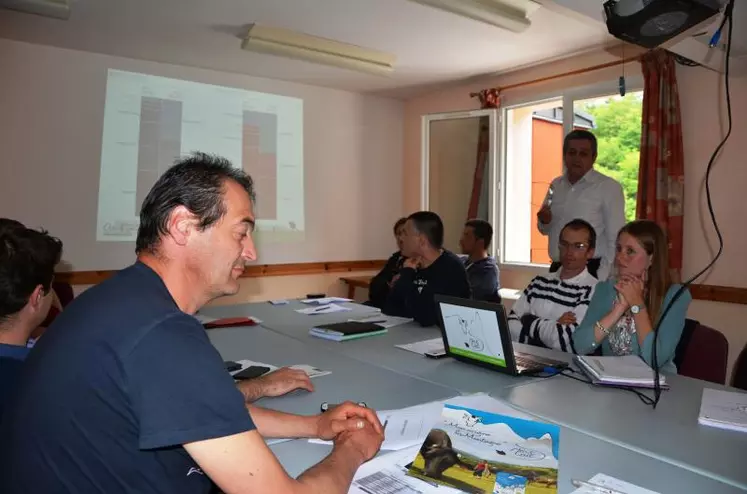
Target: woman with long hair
(624, 310)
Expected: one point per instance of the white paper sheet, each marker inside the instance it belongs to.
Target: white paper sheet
(323, 309)
(425, 346)
(386, 474)
(723, 409)
(279, 302)
(312, 372)
(608, 482)
(325, 300)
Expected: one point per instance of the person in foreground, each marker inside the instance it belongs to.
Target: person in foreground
(27, 261)
(625, 308)
(553, 305)
(384, 279)
(125, 393)
(481, 268)
(429, 270)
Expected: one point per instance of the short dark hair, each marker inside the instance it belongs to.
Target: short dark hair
(399, 223)
(27, 259)
(195, 182)
(483, 231)
(429, 224)
(579, 224)
(583, 135)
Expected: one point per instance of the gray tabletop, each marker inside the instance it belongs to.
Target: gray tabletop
(600, 422)
(670, 433)
(381, 350)
(350, 379)
(581, 457)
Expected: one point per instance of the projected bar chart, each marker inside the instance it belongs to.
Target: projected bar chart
(151, 121)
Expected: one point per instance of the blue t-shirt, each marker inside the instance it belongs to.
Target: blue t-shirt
(11, 361)
(119, 382)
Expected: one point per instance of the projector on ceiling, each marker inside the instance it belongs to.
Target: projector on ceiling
(650, 23)
(58, 9)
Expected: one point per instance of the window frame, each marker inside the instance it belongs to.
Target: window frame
(568, 96)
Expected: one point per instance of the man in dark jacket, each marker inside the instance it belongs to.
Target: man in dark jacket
(382, 282)
(429, 270)
(482, 270)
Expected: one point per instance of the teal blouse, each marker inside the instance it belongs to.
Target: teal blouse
(670, 330)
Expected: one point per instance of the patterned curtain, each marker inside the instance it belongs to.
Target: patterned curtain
(489, 98)
(661, 176)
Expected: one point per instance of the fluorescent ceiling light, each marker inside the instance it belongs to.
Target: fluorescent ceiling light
(59, 9)
(507, 14)
(286, 43)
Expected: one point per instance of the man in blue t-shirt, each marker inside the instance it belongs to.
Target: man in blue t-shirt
(27, 261)
(125, 394)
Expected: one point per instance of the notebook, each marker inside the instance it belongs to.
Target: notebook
(628, 370)
(724, 409)
(349, 330)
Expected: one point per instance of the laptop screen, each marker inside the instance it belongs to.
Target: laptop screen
(473, 333)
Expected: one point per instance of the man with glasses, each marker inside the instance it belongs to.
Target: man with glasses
(553, 305)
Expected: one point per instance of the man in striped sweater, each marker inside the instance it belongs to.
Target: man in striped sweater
(553, 305)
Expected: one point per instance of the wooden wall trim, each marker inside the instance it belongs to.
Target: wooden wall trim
(711, 293)
(253, 271)
(714, 293)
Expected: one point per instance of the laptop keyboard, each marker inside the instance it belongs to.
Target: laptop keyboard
(524, 361)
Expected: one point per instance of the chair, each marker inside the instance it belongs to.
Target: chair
(702, 353)
(739, 374)
(64, 292)
(495, 298)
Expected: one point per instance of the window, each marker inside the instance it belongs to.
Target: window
(531, 154)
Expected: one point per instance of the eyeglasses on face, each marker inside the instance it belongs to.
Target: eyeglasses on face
(577, 246)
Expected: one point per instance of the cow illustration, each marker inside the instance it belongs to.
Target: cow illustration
(438, 454)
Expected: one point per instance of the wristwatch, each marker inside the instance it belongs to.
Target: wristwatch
(635, 309)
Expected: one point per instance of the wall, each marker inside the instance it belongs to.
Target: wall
(701, 97)
(703, 125)
(52, 103)
(547, 163)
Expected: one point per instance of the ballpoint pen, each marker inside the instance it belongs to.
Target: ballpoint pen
(595, 488)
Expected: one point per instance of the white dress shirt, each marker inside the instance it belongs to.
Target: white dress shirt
(595, 198)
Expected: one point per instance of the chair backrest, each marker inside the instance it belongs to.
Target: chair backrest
(64, 292)
(739, 374)
(702, 353)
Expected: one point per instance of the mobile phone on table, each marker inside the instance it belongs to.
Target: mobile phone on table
(252, 372)
(436, 354)
(232, 366)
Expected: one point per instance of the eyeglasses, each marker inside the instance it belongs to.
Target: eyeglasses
(577, 246)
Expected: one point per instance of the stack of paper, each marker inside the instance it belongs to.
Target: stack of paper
(422, 347)
(599, 482)
(323, 309)
(724, 409)
(383, 320)
(629, 370)
(344, 331)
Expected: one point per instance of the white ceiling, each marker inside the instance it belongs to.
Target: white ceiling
(431, 46)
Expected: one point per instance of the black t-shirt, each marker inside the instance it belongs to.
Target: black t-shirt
(412, 294)
(117, 384)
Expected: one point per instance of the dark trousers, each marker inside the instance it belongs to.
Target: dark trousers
(592, 266)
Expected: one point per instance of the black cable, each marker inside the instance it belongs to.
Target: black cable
(647, 400)
(728, 16)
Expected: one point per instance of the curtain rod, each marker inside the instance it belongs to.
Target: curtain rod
(564, 74)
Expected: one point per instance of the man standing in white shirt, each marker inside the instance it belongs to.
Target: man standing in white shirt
(584, 193)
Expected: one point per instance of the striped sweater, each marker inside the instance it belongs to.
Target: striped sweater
(534, 317)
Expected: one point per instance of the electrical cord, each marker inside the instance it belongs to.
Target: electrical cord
(647, 400)
(728, 17)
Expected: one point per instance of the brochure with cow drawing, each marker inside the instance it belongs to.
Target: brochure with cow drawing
(480, 452)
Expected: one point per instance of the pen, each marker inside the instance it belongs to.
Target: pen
(595, 488)
(326, 406)
(385, 423)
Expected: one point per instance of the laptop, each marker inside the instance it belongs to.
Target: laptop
(477, 333)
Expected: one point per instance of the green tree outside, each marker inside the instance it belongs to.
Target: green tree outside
(618, 130)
